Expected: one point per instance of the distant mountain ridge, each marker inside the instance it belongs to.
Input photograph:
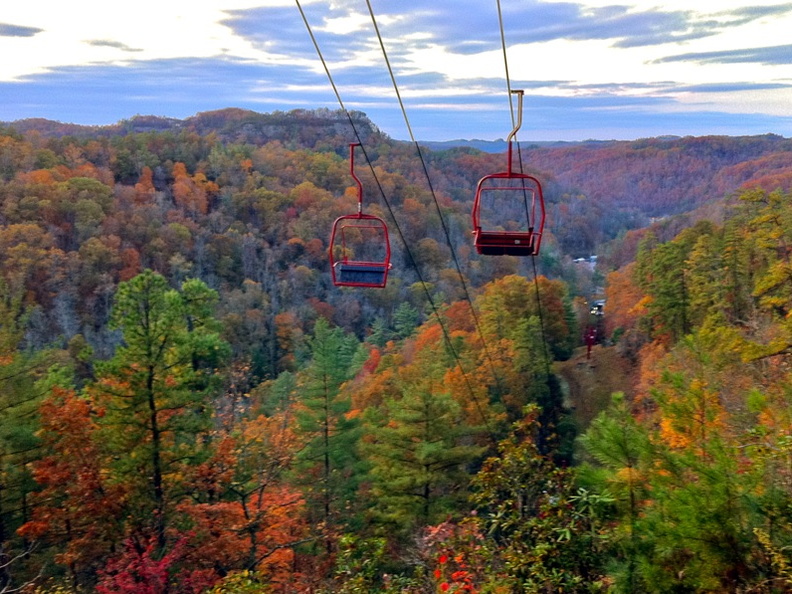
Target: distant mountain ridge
(644, 178)
(230, 125)
(234, 125)
(499, 146)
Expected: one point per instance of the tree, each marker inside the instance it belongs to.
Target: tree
(23, 384)
(155, 390)
(621, 446)
(78, 508)
(507, 300)
(664, 273)
(530, 529)
(327, 462)
(419, 448)
(242, 513)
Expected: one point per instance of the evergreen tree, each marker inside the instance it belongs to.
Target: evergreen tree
(327, 463)
(622, 447)
(155, 390)
(419, 449)
(405, 320)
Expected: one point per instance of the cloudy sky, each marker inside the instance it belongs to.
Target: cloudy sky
(603, 69)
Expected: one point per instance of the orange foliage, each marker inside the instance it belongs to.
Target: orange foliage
(460, 317)
(130, 258)
(690, 417)
(373, 389)
(475, 407)
(650, 371)
(144, 189)
(429, 336)
(189, 192)
(37, 176)
(288, 332)
(624, 300)
(77, 506)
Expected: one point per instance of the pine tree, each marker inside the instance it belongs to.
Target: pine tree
(622, 447)
(155, 390)
(326, 465)
(419, 450)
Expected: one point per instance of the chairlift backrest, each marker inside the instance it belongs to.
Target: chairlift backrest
(359, 245)
(508, 210)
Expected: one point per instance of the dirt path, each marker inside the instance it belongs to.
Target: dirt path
(589, 383)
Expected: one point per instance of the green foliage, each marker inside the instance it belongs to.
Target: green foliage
(241, 582)
(327, 464)
(25, 377)
(155, 388)
(416, 444)
(359, 565)
(405, 320)
(546, 536)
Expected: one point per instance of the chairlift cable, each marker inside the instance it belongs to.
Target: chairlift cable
(519, 157)
(410, 256)
(446, 231)
(505, 62)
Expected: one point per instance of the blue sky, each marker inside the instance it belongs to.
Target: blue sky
(590, 69)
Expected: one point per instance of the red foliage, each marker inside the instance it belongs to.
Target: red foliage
(140, 570)
(77, 506)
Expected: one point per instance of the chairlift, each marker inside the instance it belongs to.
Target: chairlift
(508, 211)
(359, 244)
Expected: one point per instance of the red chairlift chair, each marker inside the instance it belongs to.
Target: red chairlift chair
(359, 244)
(506, 192)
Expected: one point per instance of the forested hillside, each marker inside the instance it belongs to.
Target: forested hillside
(189, 405)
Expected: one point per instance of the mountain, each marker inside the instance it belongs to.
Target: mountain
(299, 127)
(594, 190)
(498, 146)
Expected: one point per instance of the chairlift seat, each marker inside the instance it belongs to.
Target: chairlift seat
(502, 192)
(356, 274)
(505, 243)
(361, 244)
(497, 242)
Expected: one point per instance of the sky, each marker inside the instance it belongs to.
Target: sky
(590, 69)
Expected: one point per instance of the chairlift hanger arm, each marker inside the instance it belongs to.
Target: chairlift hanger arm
(352, 146)
(520, 93)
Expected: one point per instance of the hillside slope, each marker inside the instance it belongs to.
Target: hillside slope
(589, 383)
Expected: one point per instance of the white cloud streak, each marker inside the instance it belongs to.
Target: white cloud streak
(100, 33)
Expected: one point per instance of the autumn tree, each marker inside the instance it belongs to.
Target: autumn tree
(242, 514)
(23, 384)
(79, 508)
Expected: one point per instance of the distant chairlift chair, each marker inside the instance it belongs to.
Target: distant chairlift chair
(359, 244)
(499, 194)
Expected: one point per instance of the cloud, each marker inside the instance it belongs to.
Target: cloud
(7, 30)
(775, 55)
(747, 14)
(176, 88)
(115, 44)
(471, 30)
(534, 22)
(731, 87)
(180, 88)
(277, 29)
